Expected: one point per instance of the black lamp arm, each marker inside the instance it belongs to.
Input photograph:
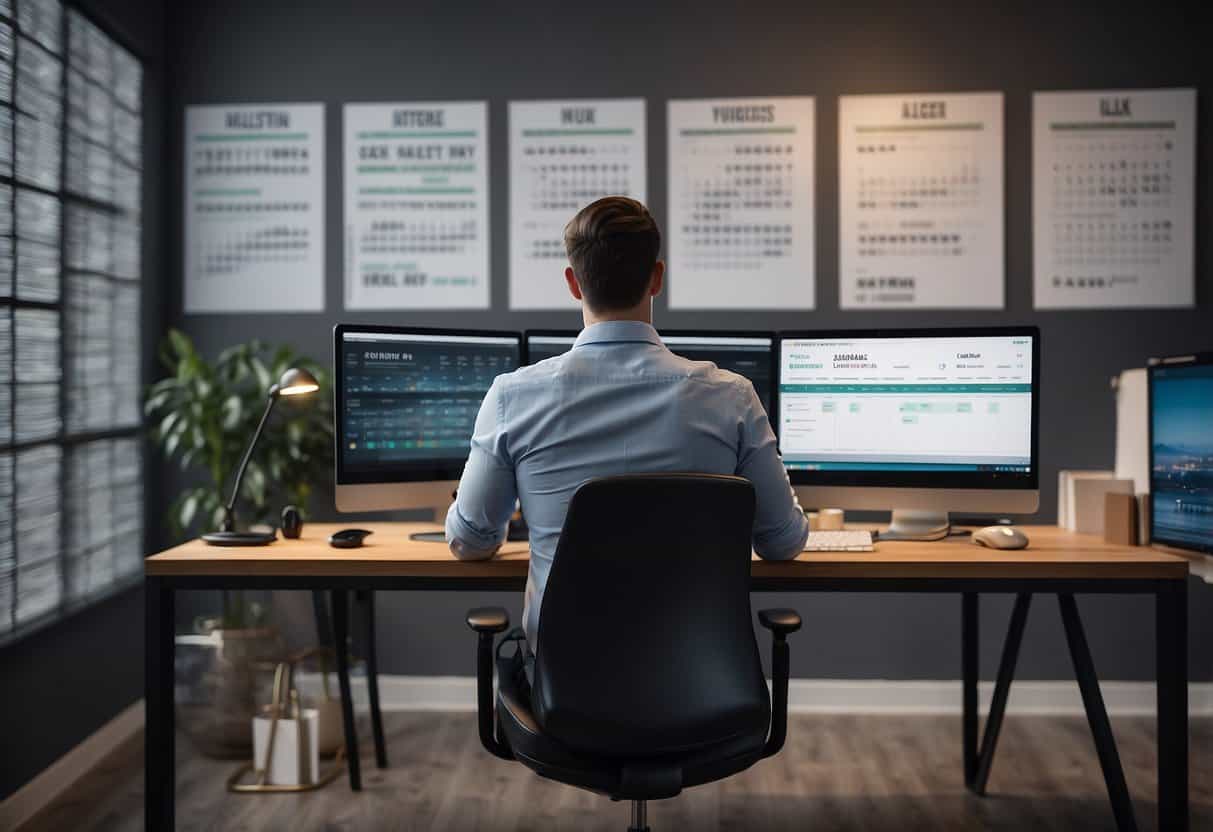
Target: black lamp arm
(228, 519)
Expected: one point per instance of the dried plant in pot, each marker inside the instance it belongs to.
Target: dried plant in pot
(222, 672)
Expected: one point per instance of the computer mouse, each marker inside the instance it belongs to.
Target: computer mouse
(348, 538)
(1001, 537)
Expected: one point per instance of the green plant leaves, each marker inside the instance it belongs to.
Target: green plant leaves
(189, 509)
(205, 415)
(233, 409)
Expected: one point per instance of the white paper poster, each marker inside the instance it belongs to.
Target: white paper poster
(416, 206)
(254, 208)
(563, 156)
(1114, 198)
(921, 201)
(741, 203)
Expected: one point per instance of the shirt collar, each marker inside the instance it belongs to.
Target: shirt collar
(607, 332)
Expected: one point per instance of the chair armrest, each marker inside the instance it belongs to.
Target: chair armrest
(487, 622)
(780, 622)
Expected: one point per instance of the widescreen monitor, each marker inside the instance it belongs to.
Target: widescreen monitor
(1181, 452)
(926, 421)
(750, 354)
(406, 401)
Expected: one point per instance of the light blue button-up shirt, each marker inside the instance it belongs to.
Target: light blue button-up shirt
(618, 402)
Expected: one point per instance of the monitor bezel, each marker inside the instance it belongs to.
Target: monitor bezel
(428, 473)
(551, 333)
(986, 480)
(773, 370)
(1196, 359)
(770, 334)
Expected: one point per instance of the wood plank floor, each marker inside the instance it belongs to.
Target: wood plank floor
(876, 774)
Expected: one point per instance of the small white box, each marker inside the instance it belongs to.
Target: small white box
(296, 760)
(1089, 500)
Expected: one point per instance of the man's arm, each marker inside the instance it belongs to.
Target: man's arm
(476, 522)
(780, 527)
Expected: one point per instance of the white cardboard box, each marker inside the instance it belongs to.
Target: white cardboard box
(1065, 493)
(1089, 500)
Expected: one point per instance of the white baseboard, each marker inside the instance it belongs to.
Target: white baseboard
(828, 696)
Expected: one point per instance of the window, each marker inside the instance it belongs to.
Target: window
(70, 254)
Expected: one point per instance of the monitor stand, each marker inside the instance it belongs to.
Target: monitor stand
(518, 530)
(429, 537)
(439, 517)
(913, 524)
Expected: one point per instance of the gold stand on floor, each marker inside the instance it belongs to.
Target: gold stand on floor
(283, 690)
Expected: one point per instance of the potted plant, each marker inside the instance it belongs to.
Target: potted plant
(202, 415)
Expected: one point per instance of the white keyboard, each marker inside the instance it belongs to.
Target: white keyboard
(839, 541)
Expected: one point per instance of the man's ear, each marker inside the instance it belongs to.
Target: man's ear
(574, 286)
(657, 281)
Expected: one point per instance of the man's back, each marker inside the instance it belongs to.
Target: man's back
(618, 402)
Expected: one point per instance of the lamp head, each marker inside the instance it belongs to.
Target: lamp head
(295, 382)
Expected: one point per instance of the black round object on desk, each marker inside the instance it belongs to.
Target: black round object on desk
(347, 538)
(239, 538)
(292, 523)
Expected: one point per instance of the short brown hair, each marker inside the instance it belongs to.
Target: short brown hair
(612, 245)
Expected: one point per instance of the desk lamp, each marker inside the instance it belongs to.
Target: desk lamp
(294, 382)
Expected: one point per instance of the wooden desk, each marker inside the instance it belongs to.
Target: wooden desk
(1057, 562)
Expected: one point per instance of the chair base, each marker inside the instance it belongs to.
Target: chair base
(639, 817)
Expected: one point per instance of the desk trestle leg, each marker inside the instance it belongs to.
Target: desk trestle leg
(1097, 715)
(1002, 689)
(969, 668)
(341, 635)
(366, 605)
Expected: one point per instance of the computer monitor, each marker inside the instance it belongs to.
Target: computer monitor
(406, 403)
(542, 344)
(751, 354)
(1181, 452)
(922, 422)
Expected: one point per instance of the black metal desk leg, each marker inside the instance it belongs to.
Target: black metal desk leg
(159, 739)
(1171, 633)
(969, 655)
(324, 624)
(1002, 689)
(1097, 715)
(366, 603)
(341, 626)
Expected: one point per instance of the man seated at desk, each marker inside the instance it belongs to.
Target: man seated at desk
(618, 402)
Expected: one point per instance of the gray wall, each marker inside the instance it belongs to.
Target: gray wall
(227, 52)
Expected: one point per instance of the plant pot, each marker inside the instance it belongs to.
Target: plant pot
(220, 677)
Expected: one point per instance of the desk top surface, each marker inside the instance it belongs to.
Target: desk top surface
(1052, 553)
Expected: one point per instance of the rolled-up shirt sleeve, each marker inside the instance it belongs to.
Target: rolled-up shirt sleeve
(780, 527)
(477, 521)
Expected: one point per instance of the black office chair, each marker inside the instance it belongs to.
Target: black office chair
(647, 678)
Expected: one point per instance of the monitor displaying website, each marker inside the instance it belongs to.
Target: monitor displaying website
(412, 399)
(906, 404)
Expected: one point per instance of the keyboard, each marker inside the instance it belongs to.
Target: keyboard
(839, 541)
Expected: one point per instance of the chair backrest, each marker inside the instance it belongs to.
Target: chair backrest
(646, 645)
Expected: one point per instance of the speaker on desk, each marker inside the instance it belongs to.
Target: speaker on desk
(292, 523)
